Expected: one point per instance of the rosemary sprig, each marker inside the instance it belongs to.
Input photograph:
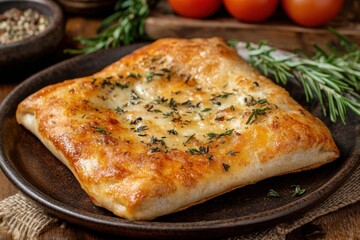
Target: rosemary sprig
(123, 27)
(331, 76)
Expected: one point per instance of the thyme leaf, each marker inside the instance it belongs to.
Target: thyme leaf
(122, 85)
(273, 194)
(212, 135)
(99, 130)
(202, 150)
(255, 113)
(206, 110)
(141, 128)
(173, 131)
(189, 138)
(226, 167)
(297, 191)
(119, 110)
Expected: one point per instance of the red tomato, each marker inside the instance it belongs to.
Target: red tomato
(195, 8)
(251, 10)
(312, 13)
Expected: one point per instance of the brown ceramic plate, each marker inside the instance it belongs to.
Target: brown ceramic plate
(38, 174)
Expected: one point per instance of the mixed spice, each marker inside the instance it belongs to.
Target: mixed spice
(17, 25)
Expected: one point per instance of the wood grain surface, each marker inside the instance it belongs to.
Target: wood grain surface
(278, 31)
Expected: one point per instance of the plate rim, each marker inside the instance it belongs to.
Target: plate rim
(173, 229)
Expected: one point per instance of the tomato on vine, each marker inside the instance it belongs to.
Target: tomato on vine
(251, 10)
(311, 13)
(195, 8)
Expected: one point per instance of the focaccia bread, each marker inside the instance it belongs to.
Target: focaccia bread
(173, 124)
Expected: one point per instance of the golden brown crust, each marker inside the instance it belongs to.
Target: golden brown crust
(173, 124)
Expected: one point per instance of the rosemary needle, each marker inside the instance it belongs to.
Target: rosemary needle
(331, 76)
(124, 26)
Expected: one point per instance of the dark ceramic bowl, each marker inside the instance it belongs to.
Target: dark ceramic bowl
(36, 47)
(92, 7)
(87, 7)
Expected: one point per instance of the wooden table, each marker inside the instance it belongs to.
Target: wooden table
(343, 224)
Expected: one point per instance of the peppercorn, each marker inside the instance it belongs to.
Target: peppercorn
(17, 25)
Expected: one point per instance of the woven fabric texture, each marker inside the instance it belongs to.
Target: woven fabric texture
(22, 218)
(25, 220)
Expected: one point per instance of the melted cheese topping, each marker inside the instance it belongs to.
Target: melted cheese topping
(173, 124)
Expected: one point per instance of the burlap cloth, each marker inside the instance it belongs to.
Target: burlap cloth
(21, 218)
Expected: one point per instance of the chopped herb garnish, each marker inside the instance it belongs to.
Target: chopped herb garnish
(201, 117)
(99, 129)
(149, 76)
(134, 75)
(149, 107)
(119, 110)
(273, 194)
(217, 103)
(169, 114)
(232, 153)
(172, 103)
(212, 135)
(173, 131)
(189, 138)
(156, 149)
(297, 191)
(224, 95)
(206, 110)
(226, 133)
(189, 104)
(141, 128)
(160, 100)
(252, 101)
(93, 81)
(154, 140)
(262, 101)
(122, 85)
(154, 59)
(136, 121)
(219, 118)
(202, 150)
(105, 83)
(232, 108)
(165, 70)
(134, 95)
(229, 119)
(226, 167)
(255, 113)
